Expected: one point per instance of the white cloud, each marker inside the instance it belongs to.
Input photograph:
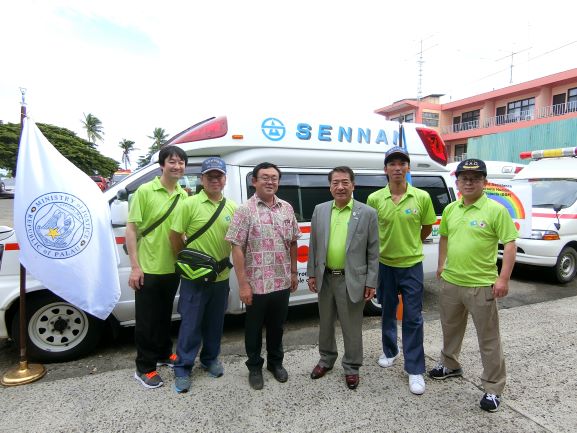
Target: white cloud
(138, 65)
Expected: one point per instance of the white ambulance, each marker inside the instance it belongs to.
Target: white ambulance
(304, 150)
(552, 175)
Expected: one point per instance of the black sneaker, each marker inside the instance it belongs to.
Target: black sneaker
(169, 362)
(490, 402)
(441, 372)
(149, 380)
(255, 379)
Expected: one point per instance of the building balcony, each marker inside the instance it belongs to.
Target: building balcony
(507, 119)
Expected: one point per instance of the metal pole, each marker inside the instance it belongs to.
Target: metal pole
(24, 373)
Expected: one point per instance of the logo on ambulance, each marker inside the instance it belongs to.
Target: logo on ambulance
(58, 225)
(273, 129)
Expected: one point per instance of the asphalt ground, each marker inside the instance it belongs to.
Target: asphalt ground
(540, 343)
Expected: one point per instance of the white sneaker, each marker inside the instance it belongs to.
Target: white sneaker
(416, 384)
(386, 362)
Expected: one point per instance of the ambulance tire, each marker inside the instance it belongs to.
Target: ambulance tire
(372, 307)
(57, 330)
(566, 267)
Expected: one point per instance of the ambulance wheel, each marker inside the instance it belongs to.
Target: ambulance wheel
(566, 266)
(372, 307)
(57, 330)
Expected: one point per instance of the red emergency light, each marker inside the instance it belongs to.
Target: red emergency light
(434, 144)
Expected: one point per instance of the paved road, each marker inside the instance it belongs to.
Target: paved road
(539, 342)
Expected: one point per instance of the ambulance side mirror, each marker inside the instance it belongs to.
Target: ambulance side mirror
(119, 209)
(557, 208)
(122, 194)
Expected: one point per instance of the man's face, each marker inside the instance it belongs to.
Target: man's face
(266, 182)
(213, 182)
(397, 169)
(471, 185)
(173, 167)
(342, 187)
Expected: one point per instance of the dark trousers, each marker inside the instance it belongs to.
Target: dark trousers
(409, 283)
(152, 311)
(269, 310)
(201, 307)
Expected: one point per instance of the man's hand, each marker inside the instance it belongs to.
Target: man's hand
(294, 282)
(245, 293)
(501, 288)
(369, 293)
(136, 278)
(312, 282)
(440, 270)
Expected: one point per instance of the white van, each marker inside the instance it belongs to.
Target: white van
(304, 150)
(496, 170)
(552, 175)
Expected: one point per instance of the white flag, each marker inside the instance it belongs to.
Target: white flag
(62, 222)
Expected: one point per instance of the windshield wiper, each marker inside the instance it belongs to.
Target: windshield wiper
(551, 205)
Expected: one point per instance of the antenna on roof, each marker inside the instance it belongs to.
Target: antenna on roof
(511, 67)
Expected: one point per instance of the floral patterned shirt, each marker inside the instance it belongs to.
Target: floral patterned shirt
(265, 235)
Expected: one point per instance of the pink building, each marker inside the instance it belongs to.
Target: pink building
(537, 102)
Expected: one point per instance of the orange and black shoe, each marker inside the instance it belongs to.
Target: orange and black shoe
(169, 362)
(149, 380)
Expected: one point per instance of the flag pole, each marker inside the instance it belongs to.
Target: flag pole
(25, 372)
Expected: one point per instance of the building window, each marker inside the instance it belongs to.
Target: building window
(520, 110)
(460, 152)
(470, 119)
(572, 99)
(404, 118)
(430, 119)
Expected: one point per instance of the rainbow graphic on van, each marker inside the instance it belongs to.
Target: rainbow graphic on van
(507, 198)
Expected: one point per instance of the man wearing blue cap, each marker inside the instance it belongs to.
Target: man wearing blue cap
(202, 304)
(405, 216)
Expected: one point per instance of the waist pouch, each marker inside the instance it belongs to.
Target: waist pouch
(198, 266)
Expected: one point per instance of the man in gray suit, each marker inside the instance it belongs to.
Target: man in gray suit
(343, 269)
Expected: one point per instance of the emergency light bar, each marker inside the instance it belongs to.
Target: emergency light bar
(549, 153)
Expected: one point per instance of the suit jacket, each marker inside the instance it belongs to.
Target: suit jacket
(362, 248)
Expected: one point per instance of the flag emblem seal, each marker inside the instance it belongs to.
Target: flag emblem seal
(58, 225)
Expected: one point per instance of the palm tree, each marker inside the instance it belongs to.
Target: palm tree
(93, 127)
(159, 136)
(127, 146)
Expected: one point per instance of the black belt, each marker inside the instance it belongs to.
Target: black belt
(334, 271)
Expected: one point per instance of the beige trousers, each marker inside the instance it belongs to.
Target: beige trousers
(455, 304)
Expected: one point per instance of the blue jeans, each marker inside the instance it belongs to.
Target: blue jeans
(409, 283)
(201, 307)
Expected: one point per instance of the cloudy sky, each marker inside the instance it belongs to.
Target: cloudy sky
(138, 65)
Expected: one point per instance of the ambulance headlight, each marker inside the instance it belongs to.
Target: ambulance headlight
(545, 235)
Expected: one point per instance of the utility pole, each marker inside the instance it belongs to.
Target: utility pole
(512, 64)
(420, 74)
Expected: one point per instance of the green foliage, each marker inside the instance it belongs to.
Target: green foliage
(79, 151)
(159, 137)
(9, 138)
(127, 146)
(93, 127)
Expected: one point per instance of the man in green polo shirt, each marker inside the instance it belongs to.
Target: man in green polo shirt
(152, 275)
(343, 269)
(406, 217)
(202, 304)
(470, 231)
